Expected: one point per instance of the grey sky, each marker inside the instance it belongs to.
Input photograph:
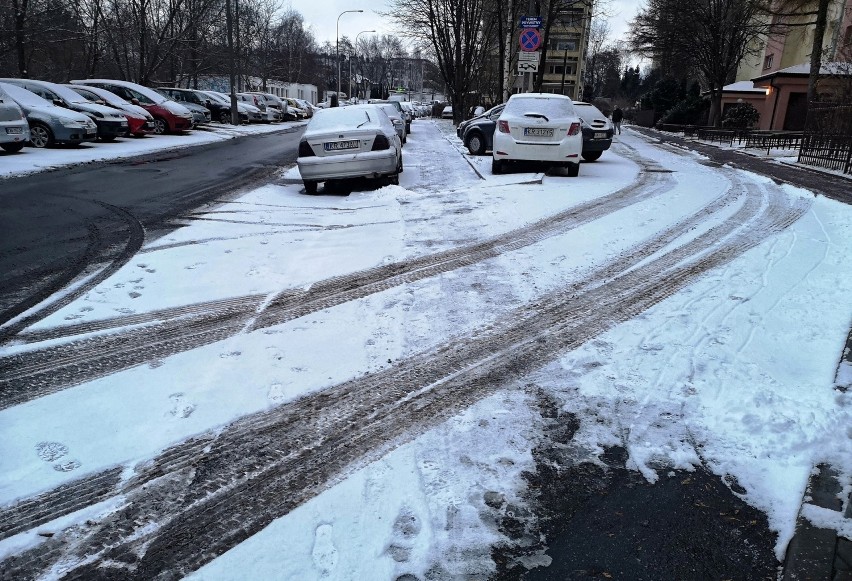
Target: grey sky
(321, 16)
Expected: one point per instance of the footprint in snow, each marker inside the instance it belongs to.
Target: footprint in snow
(180, 407)
(324, 553)
(67, 466)
(50, 451)
(406, 527)
(276, 393)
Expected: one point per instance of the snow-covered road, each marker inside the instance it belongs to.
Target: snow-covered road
(337, 387)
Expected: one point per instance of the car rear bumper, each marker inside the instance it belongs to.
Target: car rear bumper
(508, 148)
(592, 145)
(367, 164)
(14, 132)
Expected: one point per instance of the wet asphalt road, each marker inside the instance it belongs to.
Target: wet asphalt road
(62, 225)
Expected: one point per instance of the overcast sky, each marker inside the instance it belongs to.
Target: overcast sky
(321, 16)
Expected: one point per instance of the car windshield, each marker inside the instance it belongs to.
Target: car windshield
(589, 112)
(341, 117)
(216, 97)
(67, 94)
(390, 110)
(547, 106)
(24, 97)
(144, 95)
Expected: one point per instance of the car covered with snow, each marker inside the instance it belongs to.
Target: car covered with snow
(349, 142)
(14, 131)
(540, 127)
(49, 123)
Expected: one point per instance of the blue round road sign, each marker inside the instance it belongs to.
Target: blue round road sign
(530, 39)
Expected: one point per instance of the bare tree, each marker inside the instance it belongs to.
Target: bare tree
(452, 31)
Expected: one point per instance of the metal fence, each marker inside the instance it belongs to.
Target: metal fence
(827, 141)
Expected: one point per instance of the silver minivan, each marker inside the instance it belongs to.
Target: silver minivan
(50, 124)
(14, 131)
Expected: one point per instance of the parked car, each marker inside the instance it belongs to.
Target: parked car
(248, 113)
(139, 121)
(447, 112)
(111, 124)
(187, 97)
(169, 116)
(396, 119)
(49, 123)
(285, 110)
(310, 108)
(404, 113)
(597, 130)
(538, 127)
(477, 133)
(259, 102)
(14, 130)
(349, 142)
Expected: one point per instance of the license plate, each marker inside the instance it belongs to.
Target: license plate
(14, 130)
(338, 145)
(600, 135)
(538, 132)
(124, 123)
(91, 131)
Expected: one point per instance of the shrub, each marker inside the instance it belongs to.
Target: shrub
(740, 116)
(691, 111)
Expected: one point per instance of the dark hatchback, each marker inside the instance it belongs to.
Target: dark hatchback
(597, 130)
(477, 133)
(218, 111)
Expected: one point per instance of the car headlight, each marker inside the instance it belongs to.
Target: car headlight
(69, 122)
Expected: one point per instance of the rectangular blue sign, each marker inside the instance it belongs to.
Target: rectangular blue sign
(530, 22)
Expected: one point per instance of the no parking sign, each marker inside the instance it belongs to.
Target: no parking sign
(530, 39)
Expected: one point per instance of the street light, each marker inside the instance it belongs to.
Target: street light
(337, 43)
(354, 51)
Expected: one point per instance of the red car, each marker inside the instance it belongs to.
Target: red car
(139, 121)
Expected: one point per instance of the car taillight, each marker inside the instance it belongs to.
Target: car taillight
(574, 129)
(503, 126)
(381, 142)
(305, 150)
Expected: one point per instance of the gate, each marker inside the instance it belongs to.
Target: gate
(827, 141)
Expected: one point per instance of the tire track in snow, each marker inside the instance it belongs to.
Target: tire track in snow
(32, 374)
(202, 497)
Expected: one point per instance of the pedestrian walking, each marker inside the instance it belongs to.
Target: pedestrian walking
(617, 116)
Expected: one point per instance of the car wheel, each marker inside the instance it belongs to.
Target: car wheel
(393, 179)
(224, 118)
(573, 170)
(310, 187)
(41, 135)
(592, 155)
(160, 126)
(475, 143)
(497, 166)
(12, 147)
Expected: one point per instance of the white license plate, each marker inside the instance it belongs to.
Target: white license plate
(338, 145)
(538, 132)
(600, 135)
(14, 130)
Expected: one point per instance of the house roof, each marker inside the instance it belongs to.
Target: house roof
(742, 87)
(804, 70)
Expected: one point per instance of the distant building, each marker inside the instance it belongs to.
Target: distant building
(779, 70)
(567, 42)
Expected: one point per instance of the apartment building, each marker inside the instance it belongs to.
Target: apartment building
(563, 64)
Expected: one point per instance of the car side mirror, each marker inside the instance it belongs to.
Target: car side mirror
(59, 102)
(134, 101)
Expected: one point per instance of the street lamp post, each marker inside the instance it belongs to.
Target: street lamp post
(354, 51)
(337, 43)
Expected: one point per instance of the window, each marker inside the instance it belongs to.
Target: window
(767, 62)
(569, 44)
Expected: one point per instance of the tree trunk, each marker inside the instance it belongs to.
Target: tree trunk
(20, 35)
(816, 49)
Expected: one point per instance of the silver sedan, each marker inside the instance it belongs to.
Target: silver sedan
(349, 142)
